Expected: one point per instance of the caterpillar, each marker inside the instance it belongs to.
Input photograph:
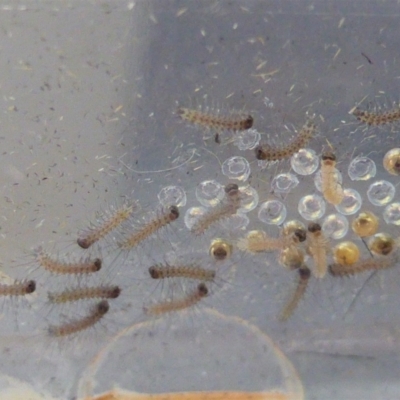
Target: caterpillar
(94, 316)
(132, 239)
(216, 122)
(84, 293)
(227, 208)
(181, 271)
(318, 247)
(19, 288)
(304, 277)
(330, 187)
(269, 152)
(190, 300)
(377, 118)
(95, 233)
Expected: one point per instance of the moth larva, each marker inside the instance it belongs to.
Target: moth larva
(226, 209)
(216, 122)
(95, 315)
(84, 293)
(330, 187)
(268, 152)
(181, 271)
(95, 233)
(318, 248)
(304, 277)
(190, 300)
(132, 239)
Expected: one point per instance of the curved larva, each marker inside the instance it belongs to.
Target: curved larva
(96, 233)
(331, 189)
(180, 304)
(77, 325)
(304, 277)
(216, 122)
(260, 243)
(274, 153)
(148, 229)
(181, 271)
(226, 209)
(318, 248)
(86, 266)
(18, 288)
(84, 293)
(377, 118)
(370, 264)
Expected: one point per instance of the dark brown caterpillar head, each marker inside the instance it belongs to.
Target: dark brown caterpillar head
(248, 123)
(83, 243)
(154, 272)
(232, 189)
(300, 234)
(358, 113)
(202, 289)
(103, 307)
(116, 291)
(304, 272)
(314, 227)
(97, 263)
(261, 152)
(173, 212)
(220, 253)
(30, 287)
(328, 156)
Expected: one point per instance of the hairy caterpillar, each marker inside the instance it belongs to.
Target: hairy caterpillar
(330, 187)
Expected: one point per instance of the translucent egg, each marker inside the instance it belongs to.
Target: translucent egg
(284, 183)
(366, 224)
(209, 193)
(351, 202)
(272, 212)
(292, 257)
(172, 195)
(311, 207)
(247, 140)
(335, 226)
(391, 161)
(346, 253)
(192, 215)
(361, 169)
(291, 226)
(381, 193)
(248, 199)
(304, 162)
(381, 244)
(236, 168)
(391, 214)
(236, 222)
(318, 180)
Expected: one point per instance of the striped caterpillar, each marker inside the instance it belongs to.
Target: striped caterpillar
(190, 300)
(318, 248)
(377, 118)
(269, 152)
(304, 277)
(84, 293)
(18, 288)
(226, 209)
(181, 271)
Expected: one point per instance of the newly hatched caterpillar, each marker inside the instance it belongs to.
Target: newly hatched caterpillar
(377, 118)
(260, 242)
(19, 288)
(318, 248)
(304, 277)
(95, 233)
(269, 152)
(330, 187)
(181, 271)
(216, 122)
(94, 316)
(370, 264)
(190, 300)
(54, 266)
(84, 293)
(226, 209)
(132, 239)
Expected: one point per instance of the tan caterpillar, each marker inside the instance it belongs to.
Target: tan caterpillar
(330, 187)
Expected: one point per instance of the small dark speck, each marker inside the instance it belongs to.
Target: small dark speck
(367, 58)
